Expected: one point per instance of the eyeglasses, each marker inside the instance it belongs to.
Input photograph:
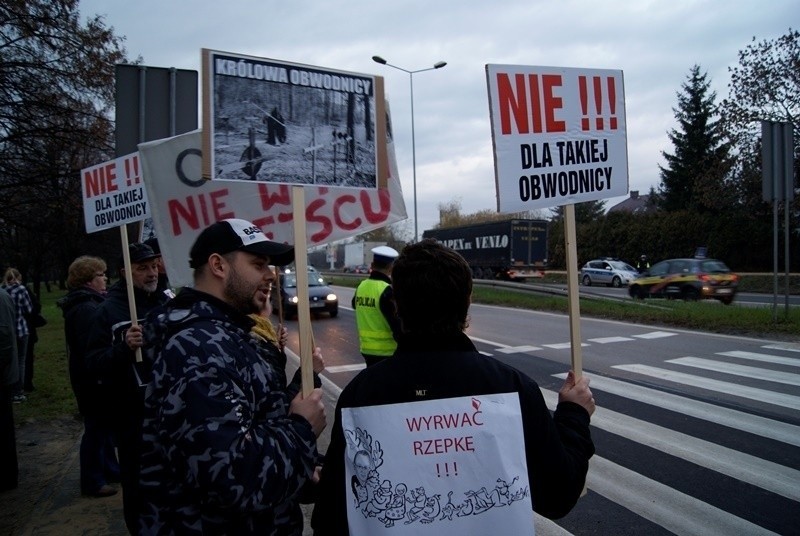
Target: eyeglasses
(100, 275)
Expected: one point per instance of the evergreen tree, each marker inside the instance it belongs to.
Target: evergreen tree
(586, 212)
(696, 173)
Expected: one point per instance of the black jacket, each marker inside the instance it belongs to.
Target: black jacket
(110, 358)
(78, 308)
(557, 448)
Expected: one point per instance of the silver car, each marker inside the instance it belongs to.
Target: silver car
(608, 272)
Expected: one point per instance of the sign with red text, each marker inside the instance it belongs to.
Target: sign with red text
(559, 135)
(437, 467)
(276, 121)
(113, 194)
(183, 203)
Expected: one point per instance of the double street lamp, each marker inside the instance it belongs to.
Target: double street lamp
(437, 65)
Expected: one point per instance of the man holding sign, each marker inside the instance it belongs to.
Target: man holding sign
(441, 439)
(111, 356)
(228, 452)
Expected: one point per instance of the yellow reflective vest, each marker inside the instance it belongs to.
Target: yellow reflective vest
(374, 332)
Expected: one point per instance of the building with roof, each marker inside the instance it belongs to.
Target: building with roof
(635, 204)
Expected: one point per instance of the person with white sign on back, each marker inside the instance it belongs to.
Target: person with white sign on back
(463, 443)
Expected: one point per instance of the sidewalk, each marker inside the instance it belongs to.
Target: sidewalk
(48, 500)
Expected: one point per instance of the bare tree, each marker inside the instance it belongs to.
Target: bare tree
(56, 95)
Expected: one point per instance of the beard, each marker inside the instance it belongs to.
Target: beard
(151, 286)
(240, 295)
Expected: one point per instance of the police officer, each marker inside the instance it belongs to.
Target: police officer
(376, 320)
(643, 265)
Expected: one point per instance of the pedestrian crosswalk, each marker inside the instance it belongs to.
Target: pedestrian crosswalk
(739, 451)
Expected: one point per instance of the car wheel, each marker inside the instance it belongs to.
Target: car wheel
(616, 282)
(690, 294)
(637, 292)
(334, 312)
(587, 281)
(727, 300)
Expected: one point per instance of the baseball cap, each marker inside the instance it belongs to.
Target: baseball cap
(141, 252)
(153, 243)
(234, 234)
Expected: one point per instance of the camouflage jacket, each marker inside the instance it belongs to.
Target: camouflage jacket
(221, 455)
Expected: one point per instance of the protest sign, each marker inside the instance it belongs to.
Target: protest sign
(275, 121)
(446, 467)
(114, 194)
(559, 135)
(183, 203)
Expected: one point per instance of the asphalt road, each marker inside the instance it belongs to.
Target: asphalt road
(696, 433)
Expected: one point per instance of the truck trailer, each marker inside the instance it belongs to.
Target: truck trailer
(511, 250)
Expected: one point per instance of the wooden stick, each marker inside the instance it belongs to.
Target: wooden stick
(303, 311)
(574, 298)
(126, 257)
(572, 290)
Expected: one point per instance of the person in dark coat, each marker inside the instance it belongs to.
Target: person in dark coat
(35, 321)
(9, 375)
(86, 280)
(436, 361)
(111, 354)
(229, 449)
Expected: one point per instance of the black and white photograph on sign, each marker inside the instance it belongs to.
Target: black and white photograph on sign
(280, 122)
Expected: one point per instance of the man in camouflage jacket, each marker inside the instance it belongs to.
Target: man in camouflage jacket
(226, 451)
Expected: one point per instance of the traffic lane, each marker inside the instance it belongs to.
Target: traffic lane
(672, 359)
(532, 334)
(748, 299)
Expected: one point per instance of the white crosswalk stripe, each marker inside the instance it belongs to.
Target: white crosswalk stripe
(763, 358)
(738, 420)
(739, 370)
(753, 393)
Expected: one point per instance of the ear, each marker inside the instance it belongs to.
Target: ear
(217, 265)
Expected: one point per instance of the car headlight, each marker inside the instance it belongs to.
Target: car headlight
(293, 299)
(330, 297)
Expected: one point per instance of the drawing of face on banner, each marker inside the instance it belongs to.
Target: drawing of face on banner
(437, 467)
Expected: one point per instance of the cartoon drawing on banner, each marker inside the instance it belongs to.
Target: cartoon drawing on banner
(391, 502)
(275, 121)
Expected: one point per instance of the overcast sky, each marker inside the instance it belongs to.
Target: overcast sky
(654, 43)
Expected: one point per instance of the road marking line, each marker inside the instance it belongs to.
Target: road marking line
(606, 340)
(756, 373)
(562, 345)
(738, 420)
(345, 368)
(788, 346)
(517, 349)
(752, 393)
(764, 358)
(655, 335)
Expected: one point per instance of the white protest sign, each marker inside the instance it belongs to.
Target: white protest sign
(183, 204)
(445, 467)
(559, 135)
(114, 194)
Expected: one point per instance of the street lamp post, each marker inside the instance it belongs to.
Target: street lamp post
(437, 65)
